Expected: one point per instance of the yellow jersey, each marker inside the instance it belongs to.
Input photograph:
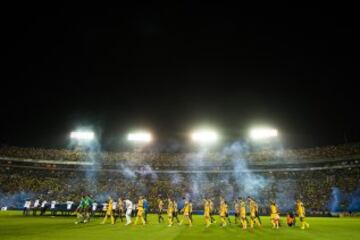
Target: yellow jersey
(170, 209)
(253, 207)
(242, 209)
(109, 209)
(160, 204)
(206, 209)
(273, 209)
(120, 204)
(222, 209)
(300, 209)
(140, 204)
(211, 205)
(186, 208)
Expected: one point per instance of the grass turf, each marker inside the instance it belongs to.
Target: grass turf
(15, 226)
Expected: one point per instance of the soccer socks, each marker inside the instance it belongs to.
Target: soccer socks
(170, 221)
(208, 222)
(254, 221)
(273, 223)
(304, 224)
(128, 219)
(223, 222)
(190, 222)
(243, 223)
(142, 220)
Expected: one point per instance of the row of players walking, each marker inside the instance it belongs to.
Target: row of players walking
(125, 208)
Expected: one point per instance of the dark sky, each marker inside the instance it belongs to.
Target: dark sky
(170, 68)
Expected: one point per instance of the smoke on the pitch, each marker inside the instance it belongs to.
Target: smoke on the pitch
(354, 201)
(198, 181)
(247, 182)
(127, 172)
(335, 199)
(285, 194)
(147, 171)
(14, 200)
(176, 179)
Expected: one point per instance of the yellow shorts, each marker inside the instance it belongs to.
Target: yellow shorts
(140, 212)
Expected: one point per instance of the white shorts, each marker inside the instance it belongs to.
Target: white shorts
(128, 212)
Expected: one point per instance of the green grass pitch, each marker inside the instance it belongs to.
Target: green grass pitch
(14, 226)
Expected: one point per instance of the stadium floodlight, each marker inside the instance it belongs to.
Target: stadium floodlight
(263, 133)
(82, 135)
(204, 136)
(140, 137)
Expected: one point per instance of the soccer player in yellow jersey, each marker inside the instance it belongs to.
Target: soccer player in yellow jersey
(212, 210)
(300, 209)
(160, 210)
(227, 212)
(109, 212)
(190, 210)
(253, 212)
(274, 215)
(186, 210)
(140, 211)
(176, 210)
(170, 212)
(243, 219)
(120, 209)
(236, 210)
(207, 212)
(222, 212)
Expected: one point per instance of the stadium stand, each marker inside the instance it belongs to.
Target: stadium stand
(63, 175)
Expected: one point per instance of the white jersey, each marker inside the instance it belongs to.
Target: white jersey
(104, 206)
(53, 204)
(43, 204)
(27, 204)
(36, 203)
(94, 206)
(114, 205)
(128, 204)
(69, 205)
(175, 207)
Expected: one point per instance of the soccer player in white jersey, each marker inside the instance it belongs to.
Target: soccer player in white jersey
(27, 206)
(36, 206)
(69, 205)
(43, 207)
(129, 208)
(93, 208)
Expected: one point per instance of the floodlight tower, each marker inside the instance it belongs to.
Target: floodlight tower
(204, 136)
(82, 135)
(140, 137)
(139, 140)
(263, 133)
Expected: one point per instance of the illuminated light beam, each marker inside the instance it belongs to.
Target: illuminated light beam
(82, 135)
(204, 136)
(263, 133)
(141, 137)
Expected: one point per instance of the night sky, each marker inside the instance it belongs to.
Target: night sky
(172, 68)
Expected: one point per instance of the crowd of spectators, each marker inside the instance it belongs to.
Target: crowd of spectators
(54, 182)
(220, 158)
(314, 187)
